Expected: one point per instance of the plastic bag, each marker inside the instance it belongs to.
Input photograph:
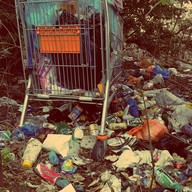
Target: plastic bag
(45, 73)
(157, 130)
(181, 116)
(164, 97)
(158, 70)
(133, 109)
(57, 143)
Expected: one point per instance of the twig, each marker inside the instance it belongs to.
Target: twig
(1, 171)
(150, 142)
(1, 23)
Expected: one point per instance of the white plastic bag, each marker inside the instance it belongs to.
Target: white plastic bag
(58, 143)
(127, 158)
(165, 97)
(182, 115)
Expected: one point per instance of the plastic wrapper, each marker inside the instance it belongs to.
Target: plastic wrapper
(157, 130)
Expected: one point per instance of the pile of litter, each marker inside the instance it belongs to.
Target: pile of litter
(149, 141)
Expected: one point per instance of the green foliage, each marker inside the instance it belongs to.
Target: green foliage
(9, 43)
(6, 156)
(158, 25)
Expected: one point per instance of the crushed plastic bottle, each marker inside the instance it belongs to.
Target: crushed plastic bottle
(31, 152)
(4, 136)
(165, 180)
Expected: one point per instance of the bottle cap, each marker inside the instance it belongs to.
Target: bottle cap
(27, 164)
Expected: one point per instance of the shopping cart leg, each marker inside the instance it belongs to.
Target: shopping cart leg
(25, 101)
(100, 148)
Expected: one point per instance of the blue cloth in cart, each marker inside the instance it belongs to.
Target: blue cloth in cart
(41, 13)
(36, 14)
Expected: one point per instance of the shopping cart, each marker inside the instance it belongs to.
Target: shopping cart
(71, 51)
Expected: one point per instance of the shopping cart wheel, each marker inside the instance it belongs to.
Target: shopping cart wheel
(99, 150)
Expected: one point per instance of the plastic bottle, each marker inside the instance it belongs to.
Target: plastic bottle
(165, 180)
(31, 152)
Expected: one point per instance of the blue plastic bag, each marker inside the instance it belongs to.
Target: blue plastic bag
(133, 109)
(157, 70)
(25, 131)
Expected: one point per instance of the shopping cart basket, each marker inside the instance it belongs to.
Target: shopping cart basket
(72, 48)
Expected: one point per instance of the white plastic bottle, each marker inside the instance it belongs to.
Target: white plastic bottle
(31, 152)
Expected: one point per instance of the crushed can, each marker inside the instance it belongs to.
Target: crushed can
(117, 126)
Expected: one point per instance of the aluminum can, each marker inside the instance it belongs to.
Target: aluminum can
(117, 126)
(93, 129)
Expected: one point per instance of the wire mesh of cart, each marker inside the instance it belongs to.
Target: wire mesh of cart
(71, 51)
